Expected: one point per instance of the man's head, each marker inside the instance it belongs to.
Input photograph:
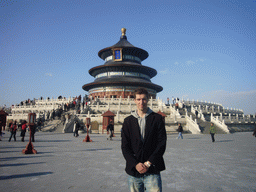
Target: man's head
(140, 91)
(141, 99)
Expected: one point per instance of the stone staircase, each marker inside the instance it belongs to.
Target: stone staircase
(59, 128)
(51, 126)
(203, 125)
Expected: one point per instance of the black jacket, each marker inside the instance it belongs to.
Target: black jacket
(151, 149)
(180, 129)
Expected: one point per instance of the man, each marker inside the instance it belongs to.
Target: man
(143, 145)
(180, 130)
(196, 112)
(13, 129)
(76, 128)
(212, 131)
(23, 130)
(254, 133)
(110, 129)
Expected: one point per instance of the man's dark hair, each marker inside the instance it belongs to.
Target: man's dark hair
(140, 91)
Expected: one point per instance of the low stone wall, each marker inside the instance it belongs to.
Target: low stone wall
(241, 127)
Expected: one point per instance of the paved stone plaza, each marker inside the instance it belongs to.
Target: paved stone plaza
(65, 163)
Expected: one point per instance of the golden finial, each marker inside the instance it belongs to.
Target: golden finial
(123, 31)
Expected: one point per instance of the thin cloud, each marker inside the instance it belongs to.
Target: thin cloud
(48, 74)
(165, 71)
(190, 62)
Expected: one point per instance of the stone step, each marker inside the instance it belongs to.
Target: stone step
(50, 125)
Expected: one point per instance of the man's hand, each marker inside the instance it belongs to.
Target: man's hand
(141, 168)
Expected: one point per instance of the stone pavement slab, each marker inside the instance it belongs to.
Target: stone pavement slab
(65, 163)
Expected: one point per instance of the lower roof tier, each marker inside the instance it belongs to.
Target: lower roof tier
(149, 85)
(117, 92)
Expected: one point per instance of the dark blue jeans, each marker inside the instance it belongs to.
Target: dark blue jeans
(13, 133)
(212, 135)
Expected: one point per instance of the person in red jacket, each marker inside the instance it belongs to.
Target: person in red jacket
(143, 145)
(23, 130)
(13, 131)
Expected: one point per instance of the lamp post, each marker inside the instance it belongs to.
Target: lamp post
(87, 138)
(31, 123)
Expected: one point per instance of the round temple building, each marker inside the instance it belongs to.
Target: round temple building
(122, 72)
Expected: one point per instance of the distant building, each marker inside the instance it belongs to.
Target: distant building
(122, 72)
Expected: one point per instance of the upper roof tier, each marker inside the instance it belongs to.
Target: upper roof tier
(127, 49)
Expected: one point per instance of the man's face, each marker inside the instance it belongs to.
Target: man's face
(141, 101)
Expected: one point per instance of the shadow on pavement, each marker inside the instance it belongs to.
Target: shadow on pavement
(22, 157)
(98, 149)
(19, 164)
(24, 175)
(223, 141)
(53, 141)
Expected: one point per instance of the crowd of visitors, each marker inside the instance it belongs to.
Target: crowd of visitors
(62, 113)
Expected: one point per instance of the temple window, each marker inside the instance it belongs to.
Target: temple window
(128, 57)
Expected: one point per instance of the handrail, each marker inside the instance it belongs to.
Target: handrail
(219, 123)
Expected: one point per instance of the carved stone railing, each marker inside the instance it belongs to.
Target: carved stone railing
(219, 123)
(192, 125)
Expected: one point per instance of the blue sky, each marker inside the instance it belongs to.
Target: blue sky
(202, 50)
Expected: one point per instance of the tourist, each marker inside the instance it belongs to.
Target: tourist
(180, 130)
(9, 125)
(23, 130)
(143, 145)
(53, 115)
(63, 119)
(48, 115)
(76, 128)
(212, 131)
(13, 130)
(65, 107)
(39, 124)
(176, 106)
(110, 129)
(196, 113)
(254, 132)
(19, 125)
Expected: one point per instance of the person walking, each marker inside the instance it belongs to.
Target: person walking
(76, 128)
(176, 106)
(13, 129)
(110, 129)
(212, 132)
(180, 130)
(143, 145)
(23, 130)
(39, 124)
(196, 112)
(254, 132)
